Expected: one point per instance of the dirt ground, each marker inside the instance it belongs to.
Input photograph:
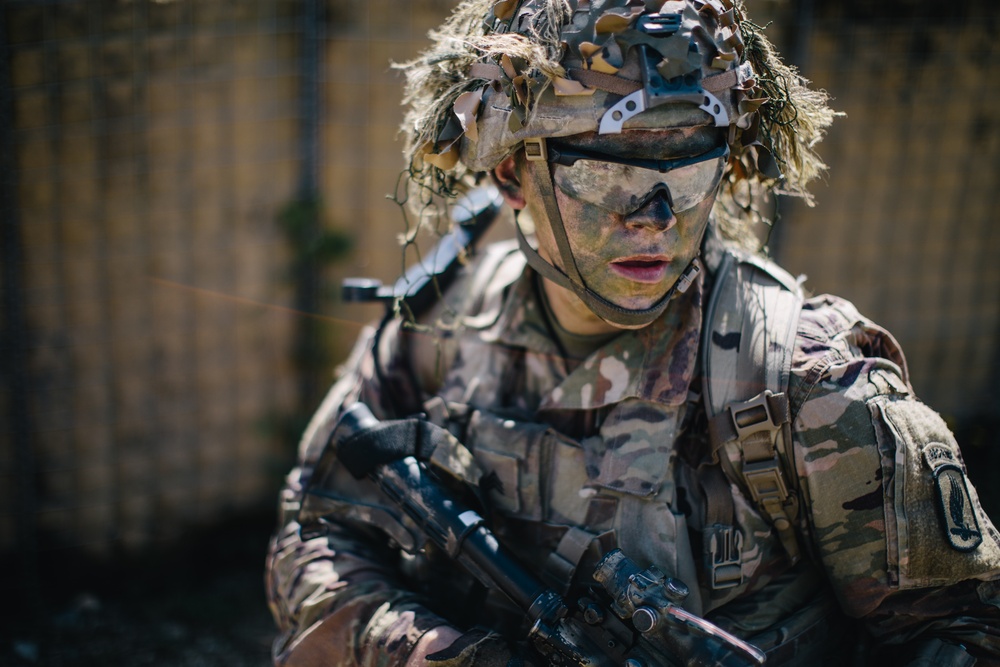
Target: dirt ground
(200, 604)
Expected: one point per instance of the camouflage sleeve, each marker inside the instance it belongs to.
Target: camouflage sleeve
(332, 589)
(892, 516)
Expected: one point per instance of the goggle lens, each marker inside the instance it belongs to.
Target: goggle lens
(621, 185)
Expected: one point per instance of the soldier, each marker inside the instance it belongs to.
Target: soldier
(631, 373)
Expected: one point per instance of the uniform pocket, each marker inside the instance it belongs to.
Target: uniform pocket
(635, 450)
(530, 470)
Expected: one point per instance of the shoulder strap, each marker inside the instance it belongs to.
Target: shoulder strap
(499, 267)
(750, 324)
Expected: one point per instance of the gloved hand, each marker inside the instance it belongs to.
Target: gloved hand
(485, 649)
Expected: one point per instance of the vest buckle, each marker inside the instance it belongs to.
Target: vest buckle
(724, 547)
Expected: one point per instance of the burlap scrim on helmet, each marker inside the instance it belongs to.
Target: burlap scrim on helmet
(501, 71)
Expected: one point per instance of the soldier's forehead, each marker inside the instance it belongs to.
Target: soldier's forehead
(661, 143)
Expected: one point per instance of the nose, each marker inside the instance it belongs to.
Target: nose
(654, 214)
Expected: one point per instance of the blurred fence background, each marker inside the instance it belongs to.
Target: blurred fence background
(183, 184)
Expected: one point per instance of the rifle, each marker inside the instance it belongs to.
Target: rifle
(422, 284)
(602, 629)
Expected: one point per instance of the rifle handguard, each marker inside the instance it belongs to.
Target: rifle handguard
(644, 600)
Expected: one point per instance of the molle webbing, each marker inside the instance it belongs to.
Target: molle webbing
(613, 84)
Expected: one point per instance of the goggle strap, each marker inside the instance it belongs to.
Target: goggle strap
(603, 308)
(545, 269)
(542, 177)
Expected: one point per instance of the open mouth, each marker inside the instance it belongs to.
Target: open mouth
(641, 270)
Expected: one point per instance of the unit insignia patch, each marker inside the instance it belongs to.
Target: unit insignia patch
(957, 511)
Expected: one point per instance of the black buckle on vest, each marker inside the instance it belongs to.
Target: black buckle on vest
(724, 546)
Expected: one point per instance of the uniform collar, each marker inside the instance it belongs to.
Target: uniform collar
(655, 363)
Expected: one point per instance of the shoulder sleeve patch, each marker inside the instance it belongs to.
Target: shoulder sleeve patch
(936, 528)
(956, 509)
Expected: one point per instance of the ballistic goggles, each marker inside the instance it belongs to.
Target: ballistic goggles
(622, 185)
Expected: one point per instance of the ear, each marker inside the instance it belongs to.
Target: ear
(506, 177)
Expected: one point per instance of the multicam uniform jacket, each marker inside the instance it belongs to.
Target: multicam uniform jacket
(610, 451)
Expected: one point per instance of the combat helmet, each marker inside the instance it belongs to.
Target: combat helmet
(507, 74)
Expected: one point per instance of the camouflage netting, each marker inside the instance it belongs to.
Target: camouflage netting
(564, 56)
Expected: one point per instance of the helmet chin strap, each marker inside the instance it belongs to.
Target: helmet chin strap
(631, 318)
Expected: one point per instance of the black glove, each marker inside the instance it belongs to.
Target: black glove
(485, 649)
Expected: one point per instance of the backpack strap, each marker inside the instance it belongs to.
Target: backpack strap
(750, 324)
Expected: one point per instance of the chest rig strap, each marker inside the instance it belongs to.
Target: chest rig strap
(750, 326)
(760, 428)
(722, 543)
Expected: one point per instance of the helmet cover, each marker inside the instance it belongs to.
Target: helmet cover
(500, 72)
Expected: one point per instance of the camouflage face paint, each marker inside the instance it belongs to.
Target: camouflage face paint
(633, 263)
(631, 256)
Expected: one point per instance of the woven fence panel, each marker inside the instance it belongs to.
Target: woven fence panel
(362, 161)
(905, 224)
(154, 304)
(153, 145)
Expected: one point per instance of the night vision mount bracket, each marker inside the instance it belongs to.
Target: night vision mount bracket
(657, 90)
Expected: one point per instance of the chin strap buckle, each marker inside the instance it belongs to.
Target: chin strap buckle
(689, 276)
(536, 150)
